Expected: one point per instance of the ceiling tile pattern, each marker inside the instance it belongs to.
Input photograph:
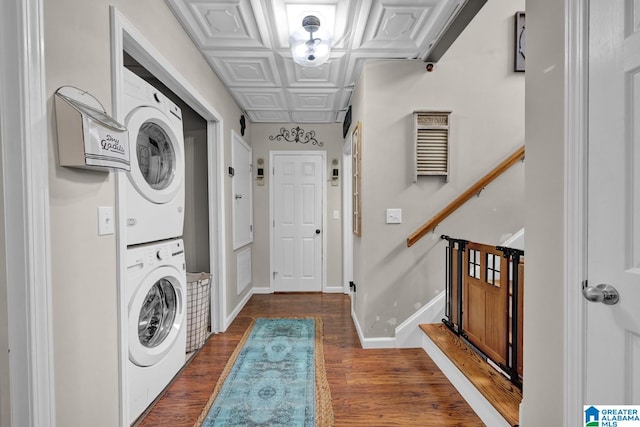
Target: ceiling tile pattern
(246, 42)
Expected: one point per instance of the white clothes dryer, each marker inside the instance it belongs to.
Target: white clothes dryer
(155, 188)
(156, 292)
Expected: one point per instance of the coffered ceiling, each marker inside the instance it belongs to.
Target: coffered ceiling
(247, 44)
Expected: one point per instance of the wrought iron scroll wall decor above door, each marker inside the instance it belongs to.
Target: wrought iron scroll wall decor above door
(297, 135)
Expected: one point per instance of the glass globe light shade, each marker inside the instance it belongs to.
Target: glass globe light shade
(310, 49)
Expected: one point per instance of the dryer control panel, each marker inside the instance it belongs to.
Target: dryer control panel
(155, 254)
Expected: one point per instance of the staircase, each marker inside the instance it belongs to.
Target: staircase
(491, 395)
(479, 344)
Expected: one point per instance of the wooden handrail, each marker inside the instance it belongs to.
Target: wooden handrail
(472, 191)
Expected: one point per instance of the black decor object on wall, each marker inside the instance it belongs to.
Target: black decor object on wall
(297, 135)
(519, 43)
(243, 124)
(346, 124)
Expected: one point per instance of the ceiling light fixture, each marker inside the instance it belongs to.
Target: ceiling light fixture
(311, 50)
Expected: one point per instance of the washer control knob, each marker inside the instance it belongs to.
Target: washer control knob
(160, 254)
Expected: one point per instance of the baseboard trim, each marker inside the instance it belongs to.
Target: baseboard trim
(326, 290)
(408, 333)
(383, 342)
(369, 343)
(238, 308)
(487, 413)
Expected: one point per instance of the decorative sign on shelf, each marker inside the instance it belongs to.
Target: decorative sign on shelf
(297, 135)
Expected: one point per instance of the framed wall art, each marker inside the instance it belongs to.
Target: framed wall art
(346, 124)
(356, 160)
(520, 43)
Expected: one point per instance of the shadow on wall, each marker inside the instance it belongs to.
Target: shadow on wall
(421, 278)
(404, 279)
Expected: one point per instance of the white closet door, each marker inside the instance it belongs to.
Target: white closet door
(613, 331)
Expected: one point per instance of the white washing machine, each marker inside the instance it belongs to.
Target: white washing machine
(155, 188)
(156, 291)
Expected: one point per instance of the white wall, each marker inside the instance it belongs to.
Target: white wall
(77, 52)
(474, 80)
(331, 135)
(5, 402)
(196, 221)
(359, 109)
(544, 305)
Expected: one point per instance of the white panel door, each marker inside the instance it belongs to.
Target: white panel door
(297, 208)
(241, 189)
(613, 331)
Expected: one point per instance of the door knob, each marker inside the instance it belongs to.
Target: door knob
(238, 196)
(318, 231)
(603, 293)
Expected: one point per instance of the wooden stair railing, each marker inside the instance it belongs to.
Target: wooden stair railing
(464, 197)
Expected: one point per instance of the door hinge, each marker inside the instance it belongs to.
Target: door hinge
(251, 228)
(274, 275)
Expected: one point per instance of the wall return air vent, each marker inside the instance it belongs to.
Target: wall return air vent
(431, 143)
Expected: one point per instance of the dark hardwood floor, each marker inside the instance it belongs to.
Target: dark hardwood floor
(387, 387)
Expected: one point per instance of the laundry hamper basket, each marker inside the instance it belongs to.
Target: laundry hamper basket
(198, 303)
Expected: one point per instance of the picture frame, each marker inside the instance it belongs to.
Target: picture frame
(356, 160)
(346, 124)
(519, 43)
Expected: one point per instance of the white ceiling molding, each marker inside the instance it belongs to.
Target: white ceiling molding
(245, 68)
(247, 44)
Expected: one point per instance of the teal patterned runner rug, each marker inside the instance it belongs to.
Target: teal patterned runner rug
(275, 377)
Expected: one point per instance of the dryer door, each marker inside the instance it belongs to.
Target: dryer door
(157, 155)
(156, 314)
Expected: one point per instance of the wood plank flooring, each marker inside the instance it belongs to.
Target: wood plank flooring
(497, 389)
(387, 387)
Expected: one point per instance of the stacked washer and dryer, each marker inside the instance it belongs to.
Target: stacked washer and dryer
(156, 284)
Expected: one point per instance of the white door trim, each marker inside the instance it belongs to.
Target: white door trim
(125, 37)
(25, 168)
(575, 220)
(347, 216)
(323, 156)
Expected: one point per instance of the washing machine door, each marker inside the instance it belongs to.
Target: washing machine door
(156, 314)
(157, 154)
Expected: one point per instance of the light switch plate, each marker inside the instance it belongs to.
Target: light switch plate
(105, 220)
(394, 216)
